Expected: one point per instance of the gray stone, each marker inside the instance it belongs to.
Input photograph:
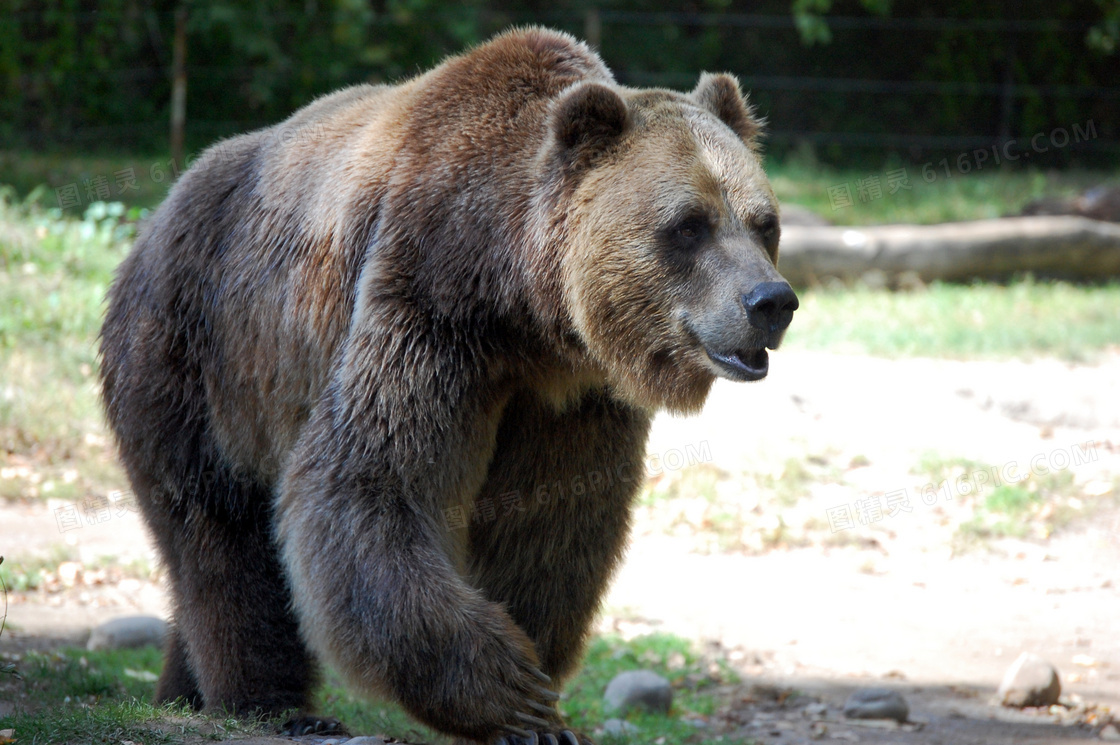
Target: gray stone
(365, 740)
(619, 727)
(877, 703)
(816, 711)
(641, 689)
(128, 632)
(1030, 681)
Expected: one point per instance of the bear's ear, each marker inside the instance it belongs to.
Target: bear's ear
(720, 95)
(586, 120)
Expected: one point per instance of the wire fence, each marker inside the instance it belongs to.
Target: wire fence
(780, 92)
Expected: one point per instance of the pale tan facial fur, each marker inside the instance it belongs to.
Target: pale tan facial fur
(644, 310)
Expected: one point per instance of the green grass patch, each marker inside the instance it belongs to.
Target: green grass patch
(45, 571)
(1005, 513)
(932, 198)
(696, 481)
(1033, 507)
(1023, 319)
(77, 676)
(939, 468)
(75, 696)
(693, 676)
(362, 716)
(54, 273)
(23, 574)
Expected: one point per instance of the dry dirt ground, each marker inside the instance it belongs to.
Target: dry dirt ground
(860, 578)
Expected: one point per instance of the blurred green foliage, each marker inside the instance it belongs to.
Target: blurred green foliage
(90, 74)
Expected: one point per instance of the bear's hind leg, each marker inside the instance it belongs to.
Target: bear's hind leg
(235, 644)
(177, 681)
(233, 605)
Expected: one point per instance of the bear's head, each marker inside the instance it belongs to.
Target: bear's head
(669, 270)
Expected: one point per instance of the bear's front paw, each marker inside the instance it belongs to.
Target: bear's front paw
(532, 737)
(309, 724)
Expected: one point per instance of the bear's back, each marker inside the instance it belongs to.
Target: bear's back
(252, 264)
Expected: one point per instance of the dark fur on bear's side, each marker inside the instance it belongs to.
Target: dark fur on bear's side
(382, 376)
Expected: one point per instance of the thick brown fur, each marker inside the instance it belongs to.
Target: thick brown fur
(382, 375)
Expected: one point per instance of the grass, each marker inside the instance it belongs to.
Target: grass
(75, 696)
(1024, 319)
(751, 511)
(54, 273)
(21, 575)
(939, 468)
(693, 676)
(989, 192)
(1033, 507)
(60, 567)
(1009, 502)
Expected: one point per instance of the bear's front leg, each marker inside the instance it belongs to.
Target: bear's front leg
(553, 518)
(375, 575)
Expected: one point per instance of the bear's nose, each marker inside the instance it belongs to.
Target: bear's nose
(770, 306)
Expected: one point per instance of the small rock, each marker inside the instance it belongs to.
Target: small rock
(815, 711)
(874, 279)
(69, 573)
(127, 632)
(643, 689)
(145, 675)
(619, 727)
(877, 703)
(1110, 733)
(365, 740)
(1030, 681)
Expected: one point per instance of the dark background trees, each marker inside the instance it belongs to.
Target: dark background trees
(844, 79)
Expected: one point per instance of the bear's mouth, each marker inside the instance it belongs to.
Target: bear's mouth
(742, 364)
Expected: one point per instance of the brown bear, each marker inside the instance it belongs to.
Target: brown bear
(381, 376)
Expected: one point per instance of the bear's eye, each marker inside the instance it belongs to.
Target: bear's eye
(692, 228)
(767, 228)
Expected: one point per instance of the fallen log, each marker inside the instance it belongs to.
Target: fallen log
(1075, 248)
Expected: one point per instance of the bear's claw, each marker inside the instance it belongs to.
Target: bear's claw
(547, 694)
(521, 737)
(308, 724)
(544, 709)
(532, 720)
